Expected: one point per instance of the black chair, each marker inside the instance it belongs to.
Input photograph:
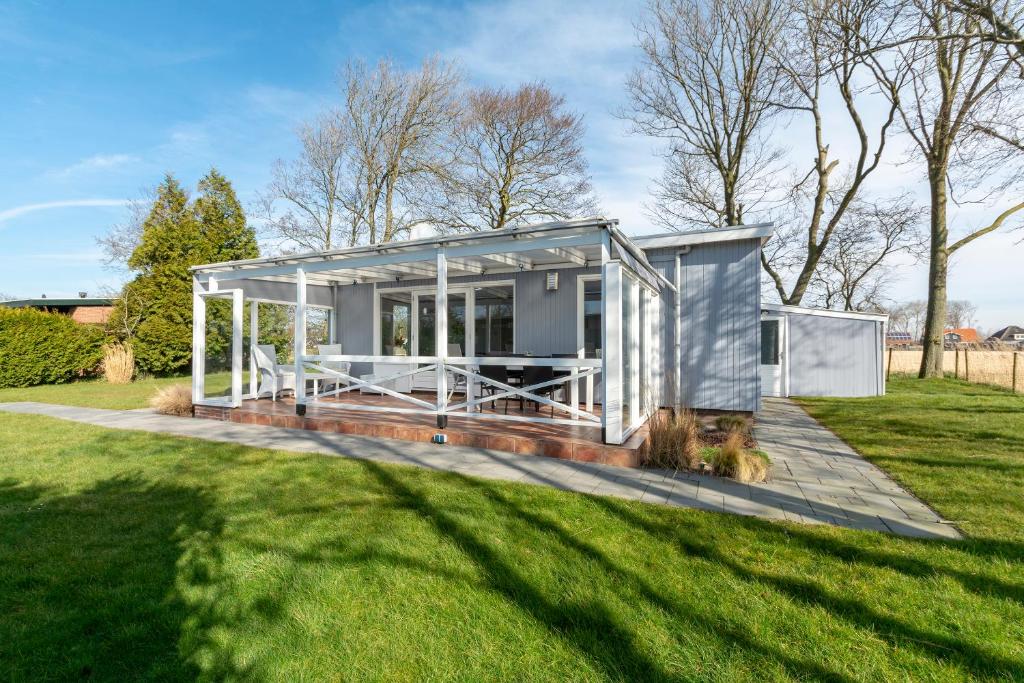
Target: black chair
(536, 374)
(498, 373)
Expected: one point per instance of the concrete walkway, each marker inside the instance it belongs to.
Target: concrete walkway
(816, 481)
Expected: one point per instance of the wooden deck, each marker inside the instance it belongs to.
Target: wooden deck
(567, 442)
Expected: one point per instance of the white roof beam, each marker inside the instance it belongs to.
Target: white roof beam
(570, 256)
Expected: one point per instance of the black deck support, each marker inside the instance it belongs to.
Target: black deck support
(300, 409)
(442, 421)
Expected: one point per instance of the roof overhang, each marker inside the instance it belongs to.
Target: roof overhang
(759, 231)
(33, 303)
(824, 312)
(565, 244)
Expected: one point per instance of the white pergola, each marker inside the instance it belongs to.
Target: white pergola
(627, 281)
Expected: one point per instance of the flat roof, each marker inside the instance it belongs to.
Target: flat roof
(761, 231)
(78, 301)
(824, 312)
(573, 243)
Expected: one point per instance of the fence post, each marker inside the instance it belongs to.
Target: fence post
(1015, 354)
(888, 365)
(967, 366)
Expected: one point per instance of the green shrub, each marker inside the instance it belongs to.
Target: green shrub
(45, 348)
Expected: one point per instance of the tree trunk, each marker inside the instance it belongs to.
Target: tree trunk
(935, 321)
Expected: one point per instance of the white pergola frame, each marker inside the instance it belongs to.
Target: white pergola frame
(588, 242)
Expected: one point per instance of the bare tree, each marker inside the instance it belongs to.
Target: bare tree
(957, 86)
(822, 57)
(516, 156)
(907, 317)
(120, 241)
(707, 88)
(960, 313)
(311, 188)
(360, 164)
(857, 266)
(397, 121)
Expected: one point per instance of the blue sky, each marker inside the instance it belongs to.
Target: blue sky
(101, 98)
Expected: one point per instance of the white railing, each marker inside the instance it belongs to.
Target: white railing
(582, 371)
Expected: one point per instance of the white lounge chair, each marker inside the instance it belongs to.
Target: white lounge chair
(274, 378)
(339, 365)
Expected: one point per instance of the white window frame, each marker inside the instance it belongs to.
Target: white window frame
(581, 350)
(466, 288)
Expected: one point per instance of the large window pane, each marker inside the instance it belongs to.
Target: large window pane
(395, 317)
(427, 322)
(592, 318)
(493, 319)
(769, 342)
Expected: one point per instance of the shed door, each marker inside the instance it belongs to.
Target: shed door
(772, 356)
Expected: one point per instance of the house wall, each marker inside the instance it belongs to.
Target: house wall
(284, 292)
(545, 321)
(719, 321)
(830, 356)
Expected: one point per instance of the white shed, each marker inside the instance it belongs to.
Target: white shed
(818, 352)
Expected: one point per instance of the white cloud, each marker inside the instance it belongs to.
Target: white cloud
(8, 214)
(95, 163)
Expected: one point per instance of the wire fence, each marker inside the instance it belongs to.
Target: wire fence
(999, 367)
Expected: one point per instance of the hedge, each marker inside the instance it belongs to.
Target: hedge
(37, 347)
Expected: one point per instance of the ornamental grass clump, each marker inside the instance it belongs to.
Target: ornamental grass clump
(732, 423)
(734, 461)
(118, 363)
(173, 400)
(673, 440)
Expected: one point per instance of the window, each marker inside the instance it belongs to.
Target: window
(395, 315)
(591, 318)
(769, 342)
(493, 319)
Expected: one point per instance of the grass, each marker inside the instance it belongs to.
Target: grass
(129, 555)
(98, 393)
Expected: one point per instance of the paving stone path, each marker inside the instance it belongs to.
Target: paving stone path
(817, 478)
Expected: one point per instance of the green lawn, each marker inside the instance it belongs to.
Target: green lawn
(126, 555)
(97, 393)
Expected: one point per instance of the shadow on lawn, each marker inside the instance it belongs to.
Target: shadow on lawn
(117, 581)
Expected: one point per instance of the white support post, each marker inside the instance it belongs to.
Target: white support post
(300, 337)
(237, 331)
(611, 334)
(441, 332)
(634, 350)
(198, 343)
(254, 340)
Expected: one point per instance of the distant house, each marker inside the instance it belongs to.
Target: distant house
(84, 309)
(961, 335)
(897, 339)
(1012, 334)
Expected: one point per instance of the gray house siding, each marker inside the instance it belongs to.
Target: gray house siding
(719, 320)
(353, 322)
(831, 356)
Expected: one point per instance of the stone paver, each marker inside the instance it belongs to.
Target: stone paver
(817, 478)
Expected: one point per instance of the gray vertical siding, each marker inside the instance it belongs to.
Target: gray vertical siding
(353, 322)
(284, 292)
(719, 291)
(831, 356)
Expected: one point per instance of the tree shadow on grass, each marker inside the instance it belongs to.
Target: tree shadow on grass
(590, 627)
(899, 633)
(118, 581)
